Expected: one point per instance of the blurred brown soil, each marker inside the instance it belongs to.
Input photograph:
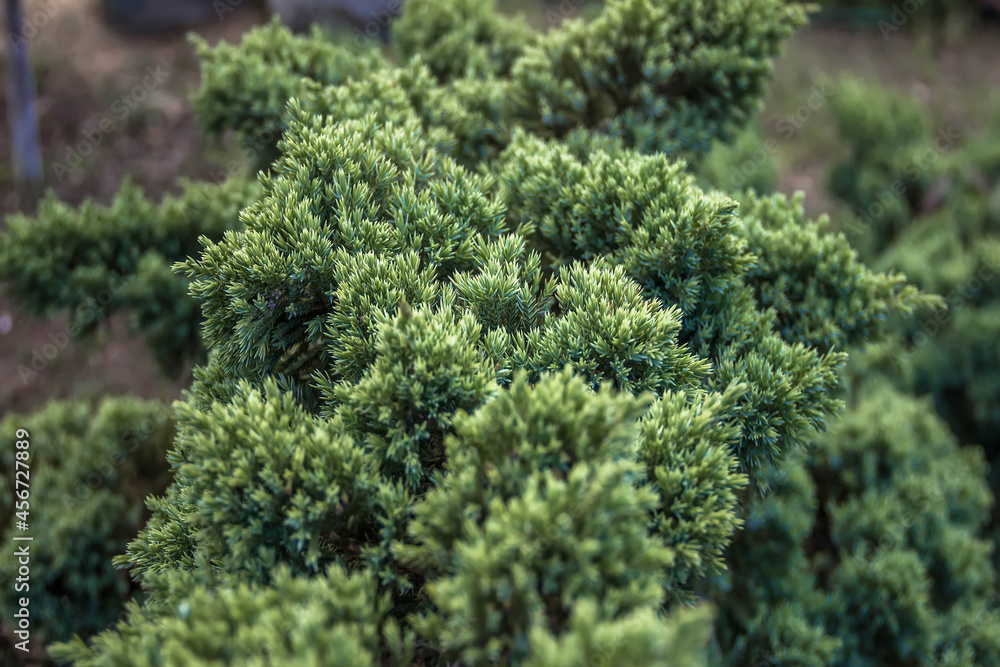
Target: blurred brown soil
(82, 68)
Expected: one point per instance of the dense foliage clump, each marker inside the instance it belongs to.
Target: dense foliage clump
(927, 204)
(870, 551)
(97, 260)
(86, 472)
(491, 377)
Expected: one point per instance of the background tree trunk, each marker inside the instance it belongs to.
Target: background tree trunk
(25, 146)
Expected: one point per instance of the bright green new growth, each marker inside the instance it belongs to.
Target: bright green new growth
(258, 483)
(538, 512)
(426, 369)
(690, 248)
(337, 616)
(632, 342)
(297, 620)
(686, 446)
(571, 484)
(293, 310)
(823, 297)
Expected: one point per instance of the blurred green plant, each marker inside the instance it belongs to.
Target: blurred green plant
(871, 550)
(927, 202)
(87, 468)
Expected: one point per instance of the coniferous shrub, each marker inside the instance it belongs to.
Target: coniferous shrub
(744, 164)
(491, 379)
(89, 466)
(942, 230)
(332, 619)
(96, 260)
(870, 551)
(889, 170)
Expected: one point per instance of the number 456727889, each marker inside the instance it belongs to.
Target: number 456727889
(21, 478)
